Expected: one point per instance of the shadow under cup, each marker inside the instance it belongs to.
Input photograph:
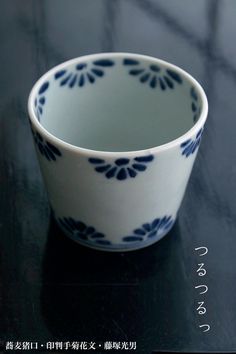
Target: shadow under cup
(116, 135)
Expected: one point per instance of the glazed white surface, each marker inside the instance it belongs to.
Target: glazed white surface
(126, 119)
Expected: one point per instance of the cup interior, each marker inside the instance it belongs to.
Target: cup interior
(113, 102)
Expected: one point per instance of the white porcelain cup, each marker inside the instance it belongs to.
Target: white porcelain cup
(116, 136)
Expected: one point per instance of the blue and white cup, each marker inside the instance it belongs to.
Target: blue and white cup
(116, 136)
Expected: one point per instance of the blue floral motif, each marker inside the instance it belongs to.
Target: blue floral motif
(190, 146)
(46, 149)
(195, 105)
(153, 75)
(121, 168)
(156, 229)
(40, 100)
(81, 232)
(88, 235)
(83, 73)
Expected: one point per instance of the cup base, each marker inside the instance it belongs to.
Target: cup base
(115, 247)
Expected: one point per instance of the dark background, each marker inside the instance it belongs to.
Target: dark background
(54, 289)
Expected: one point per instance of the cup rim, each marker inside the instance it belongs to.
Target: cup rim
(88, 152)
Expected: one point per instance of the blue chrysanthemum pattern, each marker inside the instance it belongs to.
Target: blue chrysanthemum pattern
(81, 232)
(40, 100)
(155, 229)
(190, 146)
(83, 73)
(195, 104)
(146, 234)
(122, 168)
(153, 75)
(46, 149)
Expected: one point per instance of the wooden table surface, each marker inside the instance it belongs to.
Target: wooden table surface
(52, 289)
